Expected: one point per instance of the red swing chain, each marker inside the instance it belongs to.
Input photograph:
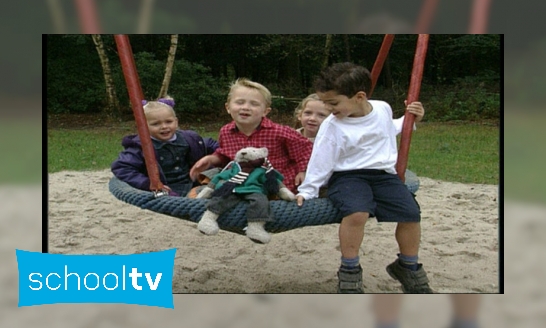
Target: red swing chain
(87, 13)
(413, 95)
(136, 96)
(478, 16)
(380, 60)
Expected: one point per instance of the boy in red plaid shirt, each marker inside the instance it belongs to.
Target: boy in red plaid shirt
(248, 103)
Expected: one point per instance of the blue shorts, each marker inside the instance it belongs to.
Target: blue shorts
(381, 194)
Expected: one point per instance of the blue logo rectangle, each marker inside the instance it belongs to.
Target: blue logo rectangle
(143, 279)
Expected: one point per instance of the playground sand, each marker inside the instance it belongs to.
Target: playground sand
(459, 248)
(85, 218)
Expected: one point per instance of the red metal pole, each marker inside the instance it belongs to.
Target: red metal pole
(136, 96)
(380, 60)
(480, 15)
(426, 16)
(87, 12)
(413, 95)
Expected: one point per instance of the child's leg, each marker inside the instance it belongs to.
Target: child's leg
(408, 236)
(355, 210)
(396, 203)
(386, 309)
(351, 234)
(465, 310)
(406, 268)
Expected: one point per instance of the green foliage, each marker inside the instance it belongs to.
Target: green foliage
(74, 76)
(467, 100)
(461, 80)
(192, 86)
(150, 75)
(195, 90)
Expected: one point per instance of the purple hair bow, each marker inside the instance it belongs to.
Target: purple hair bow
(166, 101)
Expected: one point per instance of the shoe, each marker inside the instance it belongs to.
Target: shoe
(413, 282)
(350, 281)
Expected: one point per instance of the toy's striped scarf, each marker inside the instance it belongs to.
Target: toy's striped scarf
(246, 168)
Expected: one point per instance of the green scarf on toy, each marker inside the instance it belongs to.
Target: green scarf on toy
(271, 184)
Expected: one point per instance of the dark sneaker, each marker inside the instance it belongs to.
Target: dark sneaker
(350, 280)
(413, 282)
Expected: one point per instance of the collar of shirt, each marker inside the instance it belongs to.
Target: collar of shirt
(265, 123)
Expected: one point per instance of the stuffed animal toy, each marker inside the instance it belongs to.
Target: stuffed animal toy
(251, 178)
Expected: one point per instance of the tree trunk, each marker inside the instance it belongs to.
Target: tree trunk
(112, 108)
(327, 48)
(57, 16)
(169, 68)
(145, 16)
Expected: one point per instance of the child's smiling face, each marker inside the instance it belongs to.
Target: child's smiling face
(247, 107)
(311, 116)
(162, 123)
(341, 106)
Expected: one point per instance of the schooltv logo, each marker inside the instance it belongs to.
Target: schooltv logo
(143, 279)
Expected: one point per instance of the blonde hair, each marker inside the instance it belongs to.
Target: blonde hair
(244, 82)
(301, 106)
(165, 102)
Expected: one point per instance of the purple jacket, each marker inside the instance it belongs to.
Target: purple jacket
(131, 168)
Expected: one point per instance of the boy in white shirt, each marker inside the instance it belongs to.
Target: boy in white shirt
(355, 153)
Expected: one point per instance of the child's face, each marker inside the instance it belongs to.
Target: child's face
(162, 124)
(312, 116)
(247, 107)
(341, 106)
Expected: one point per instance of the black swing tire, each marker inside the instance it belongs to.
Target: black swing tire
(288, 215)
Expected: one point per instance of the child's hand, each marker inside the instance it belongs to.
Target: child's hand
(299, 200)
(417, 109)
(201, 165)
(299, 178)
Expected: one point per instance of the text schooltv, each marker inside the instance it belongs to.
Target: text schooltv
(143, 279)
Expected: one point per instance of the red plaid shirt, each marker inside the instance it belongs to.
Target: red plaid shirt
(289, 151)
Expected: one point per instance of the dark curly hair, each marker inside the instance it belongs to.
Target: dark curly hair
(344, 78)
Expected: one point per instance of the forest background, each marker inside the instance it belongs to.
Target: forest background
(461, 80)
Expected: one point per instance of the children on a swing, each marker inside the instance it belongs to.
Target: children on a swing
(176, 151)
(355, 153)
(248, 103)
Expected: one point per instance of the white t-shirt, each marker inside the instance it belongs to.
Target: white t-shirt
(352, 143)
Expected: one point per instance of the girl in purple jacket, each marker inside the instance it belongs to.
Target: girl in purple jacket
(175, 150)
